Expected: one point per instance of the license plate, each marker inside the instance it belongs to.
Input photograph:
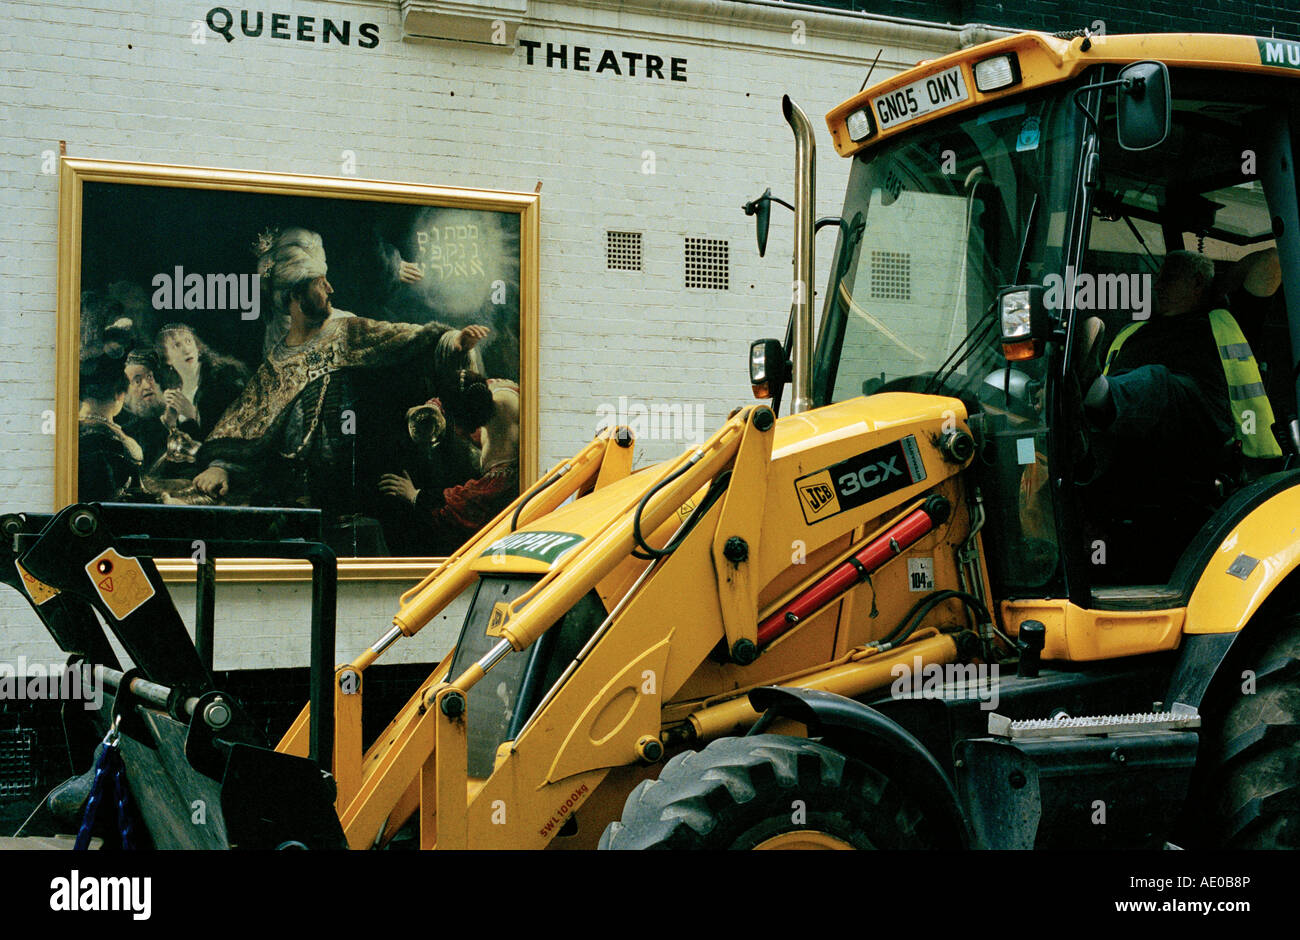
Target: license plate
(920, 97)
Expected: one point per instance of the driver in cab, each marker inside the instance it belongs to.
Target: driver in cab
(1177, 399)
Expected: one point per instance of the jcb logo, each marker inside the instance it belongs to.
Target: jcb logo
(817, 496)
(869, 476)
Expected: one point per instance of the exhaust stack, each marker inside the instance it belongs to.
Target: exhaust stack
(805, 160)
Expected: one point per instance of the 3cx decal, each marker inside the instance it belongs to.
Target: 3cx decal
(850, 483)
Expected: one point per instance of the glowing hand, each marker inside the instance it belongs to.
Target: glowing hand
(470, 337)
(409, 273)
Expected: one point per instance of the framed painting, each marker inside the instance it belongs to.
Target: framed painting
(364, 348)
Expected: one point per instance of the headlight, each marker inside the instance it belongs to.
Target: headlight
(768, 368)
(858, 125)
(1016, 315)
(1025, 322)
(1000, 71)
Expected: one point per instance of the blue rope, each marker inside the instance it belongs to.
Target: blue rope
(125, 819)
(109, 781)
(96, 797)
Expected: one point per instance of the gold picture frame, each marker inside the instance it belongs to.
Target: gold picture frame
(119, 221)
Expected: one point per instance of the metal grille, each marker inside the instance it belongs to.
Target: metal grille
(623, 251)
(17, 762)
(891, 275)
(707, 263)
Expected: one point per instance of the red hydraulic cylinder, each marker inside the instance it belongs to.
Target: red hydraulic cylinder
(857, 567)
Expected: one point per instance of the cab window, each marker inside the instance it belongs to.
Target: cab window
(1202, 190)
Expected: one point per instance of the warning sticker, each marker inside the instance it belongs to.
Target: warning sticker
(499, 618)
(1030, 133)
(120, 581)
(39, 591)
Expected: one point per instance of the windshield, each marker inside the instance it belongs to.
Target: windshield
(936, 220)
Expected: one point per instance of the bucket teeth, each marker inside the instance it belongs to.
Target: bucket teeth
(1179, 718)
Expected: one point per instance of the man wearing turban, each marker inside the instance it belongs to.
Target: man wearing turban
(303, 431)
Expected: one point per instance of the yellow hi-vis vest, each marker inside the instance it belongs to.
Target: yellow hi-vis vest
(1246, 395)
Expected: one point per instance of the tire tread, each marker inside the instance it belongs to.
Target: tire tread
(701, 798)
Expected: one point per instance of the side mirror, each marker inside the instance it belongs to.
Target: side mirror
(1143, 105)
(1024, 320)
(768, 367)
(762, 209)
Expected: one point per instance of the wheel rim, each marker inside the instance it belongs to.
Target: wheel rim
(804, 840)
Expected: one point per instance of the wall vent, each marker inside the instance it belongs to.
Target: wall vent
(623, 251)
(707, 263)
(891, 275)
(17, 761)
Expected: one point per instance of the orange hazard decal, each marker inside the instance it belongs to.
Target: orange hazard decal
(39, 591)
(120, 582)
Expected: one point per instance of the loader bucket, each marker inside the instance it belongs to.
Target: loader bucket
(200, 773)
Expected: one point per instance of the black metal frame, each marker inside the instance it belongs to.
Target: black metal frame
(45, 545)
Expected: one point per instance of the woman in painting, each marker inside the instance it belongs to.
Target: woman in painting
(209, 381)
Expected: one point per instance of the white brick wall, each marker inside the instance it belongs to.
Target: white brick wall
(122, 80)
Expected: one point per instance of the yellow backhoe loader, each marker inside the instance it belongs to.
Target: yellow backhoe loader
(936, 603)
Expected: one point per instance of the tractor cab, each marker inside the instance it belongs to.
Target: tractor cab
(1004, 252)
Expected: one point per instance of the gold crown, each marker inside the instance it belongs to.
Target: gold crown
(264, 241)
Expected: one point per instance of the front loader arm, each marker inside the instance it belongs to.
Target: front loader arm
(405, 750)
(711, 528)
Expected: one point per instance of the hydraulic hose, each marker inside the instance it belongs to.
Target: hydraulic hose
(912, 619)
(716, 489)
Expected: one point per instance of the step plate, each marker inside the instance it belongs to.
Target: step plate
(1180, 718)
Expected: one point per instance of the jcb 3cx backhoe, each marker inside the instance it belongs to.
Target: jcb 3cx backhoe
(904, 614)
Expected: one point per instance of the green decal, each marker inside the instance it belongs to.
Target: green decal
(1284, 53)
(543, 546)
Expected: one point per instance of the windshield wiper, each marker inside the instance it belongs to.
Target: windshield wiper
(974, 338)
(940, 377)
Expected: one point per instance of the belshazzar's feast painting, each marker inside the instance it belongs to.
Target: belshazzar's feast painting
(359, 350)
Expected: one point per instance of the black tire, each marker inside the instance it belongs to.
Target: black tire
(739, 793)
(1256, 786)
